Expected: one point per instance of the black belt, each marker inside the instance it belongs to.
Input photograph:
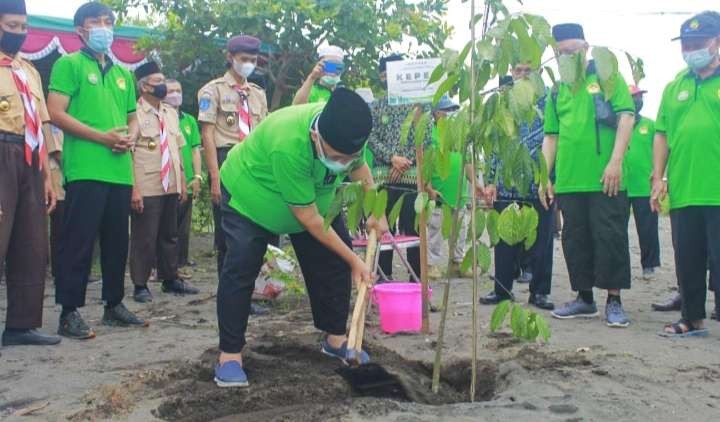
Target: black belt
(12, 138)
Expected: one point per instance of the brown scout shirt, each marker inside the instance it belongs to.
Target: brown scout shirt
(147, 157)
(54, 142)
(12, 109)
(218, 105)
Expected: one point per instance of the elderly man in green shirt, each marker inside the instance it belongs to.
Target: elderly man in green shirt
(687, 146)
(589, 184)
(282, 180)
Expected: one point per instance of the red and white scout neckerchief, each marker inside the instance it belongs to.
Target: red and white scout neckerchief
(33, 126)
(164, 152)
(244, 122)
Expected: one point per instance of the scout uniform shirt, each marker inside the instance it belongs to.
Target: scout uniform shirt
(584, 147)
(12, 109)
(191, 134)
(218, 104)
(277, 168)
(54, 141)
(639, 159)
(689, 116)
(147, 157)
(101, 98)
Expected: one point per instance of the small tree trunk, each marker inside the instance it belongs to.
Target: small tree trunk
(423, 245)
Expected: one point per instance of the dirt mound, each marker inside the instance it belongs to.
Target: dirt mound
(291, 380)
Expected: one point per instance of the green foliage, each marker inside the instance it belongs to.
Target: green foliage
(607, 70)
(638, 68)
(294, 286)
(191, 34)
(525, 324)
(492, 221)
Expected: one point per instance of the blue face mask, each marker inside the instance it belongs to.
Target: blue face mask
(100, 39)
(698, 59)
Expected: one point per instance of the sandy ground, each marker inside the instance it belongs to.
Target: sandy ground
(587, 372)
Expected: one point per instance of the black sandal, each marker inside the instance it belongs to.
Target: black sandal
(682, 329)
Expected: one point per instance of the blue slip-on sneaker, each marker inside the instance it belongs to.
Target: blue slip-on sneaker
(230, 374)
(615, 315)
(576, 309)
(341, 352)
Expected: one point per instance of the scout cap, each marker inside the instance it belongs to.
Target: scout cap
(12, 7)
(568, 31)
(92, 9)
(446, 104)
(147, 69)
(243, 44)
(330, 50)
(391, 58)
(345, 122)
(703, 25)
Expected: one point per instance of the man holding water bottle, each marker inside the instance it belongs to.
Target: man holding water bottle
(323, 79)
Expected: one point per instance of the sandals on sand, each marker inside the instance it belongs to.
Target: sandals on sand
(682, 329)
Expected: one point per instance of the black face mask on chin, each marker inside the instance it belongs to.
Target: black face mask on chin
(11, 42)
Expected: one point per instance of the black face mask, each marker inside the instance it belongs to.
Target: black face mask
(159, 91)
(638, 104)
(11, 42)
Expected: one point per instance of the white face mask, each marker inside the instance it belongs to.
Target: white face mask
(244, 69)
(173, 99)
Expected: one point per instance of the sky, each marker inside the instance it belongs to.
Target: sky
(642, 27)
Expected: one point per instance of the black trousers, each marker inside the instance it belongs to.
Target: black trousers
(509, 260)
(696, 240)
(327, 277)
(184, 222)
(406, 226)
(220, 246)
(646, 223)
(56, 226)
(154, 240)
(93, 209)
(595, 240)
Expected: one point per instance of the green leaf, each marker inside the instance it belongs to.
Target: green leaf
(492, 222)
(606, 64)
(395, 211)
(510, 225)
(479, 223)
(567, 69)
(499, 314)
(405, 127)
(543, 327)
(445, 87)
(483, 254)
(637, 67)
(551, 74)
(421, 128)
(437, 74)
(380, 205)
(334, 210)
(369, 202)
(420, 202)
(354, 214)
(447, 221)
(518, 321)
(530, 221)
(532, 331)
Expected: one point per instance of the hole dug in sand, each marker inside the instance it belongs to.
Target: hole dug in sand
(290, 380)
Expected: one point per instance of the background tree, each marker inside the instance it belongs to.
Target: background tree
(190, 36)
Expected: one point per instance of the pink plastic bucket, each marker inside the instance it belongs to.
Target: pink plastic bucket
(400, 306)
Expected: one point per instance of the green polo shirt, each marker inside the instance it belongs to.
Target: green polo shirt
(191, 133)
(639, 159)
(101, 99)
(584, 147)
(319, 93)
(689, 116)
(448, 187)
(276, 168)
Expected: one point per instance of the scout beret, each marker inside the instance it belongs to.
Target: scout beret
(147, 69)
(391, 58)
(703, 25)
(345, 122)
(12, 7)
(92, 9)
(243, 44)
(568, 31)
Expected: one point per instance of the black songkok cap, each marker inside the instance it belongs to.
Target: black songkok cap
(92, 9)
(345, 122)
(147, 69)
(12, 7)
(568, 31)
(391, 58)
(243, 44)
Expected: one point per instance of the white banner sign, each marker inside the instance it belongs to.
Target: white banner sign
(408, 81)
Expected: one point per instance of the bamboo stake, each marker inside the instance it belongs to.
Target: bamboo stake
(357, 325)
(423, 245)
